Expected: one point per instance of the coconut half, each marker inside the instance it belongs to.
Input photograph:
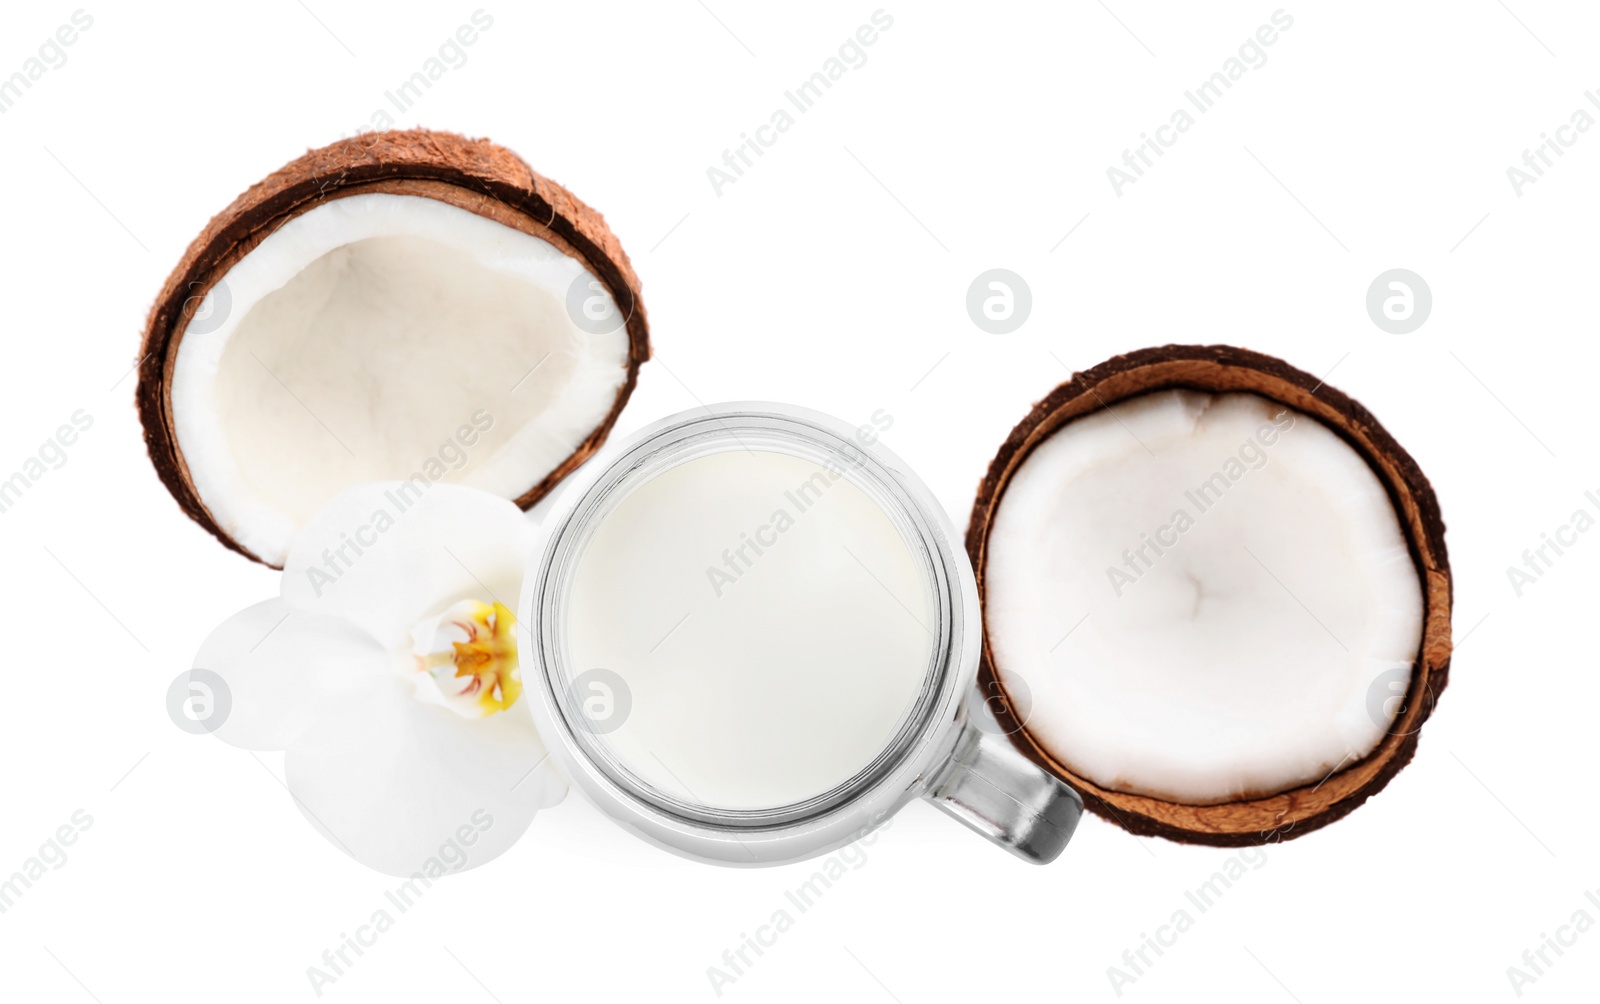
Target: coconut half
(400, 305)
(1216, 594)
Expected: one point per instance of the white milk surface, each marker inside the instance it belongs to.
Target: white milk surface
(771, 624)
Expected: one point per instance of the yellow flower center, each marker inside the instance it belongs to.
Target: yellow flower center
(466, 659)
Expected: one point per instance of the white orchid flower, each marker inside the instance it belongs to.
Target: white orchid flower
(387, 671)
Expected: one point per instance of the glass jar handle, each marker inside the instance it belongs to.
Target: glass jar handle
(995, 790)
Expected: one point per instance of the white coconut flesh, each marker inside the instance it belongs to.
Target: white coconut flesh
(380, 337)
(1200, 598)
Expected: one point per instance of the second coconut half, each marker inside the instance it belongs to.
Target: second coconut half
(1216, 594)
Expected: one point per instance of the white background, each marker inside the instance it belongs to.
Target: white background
(833, 275)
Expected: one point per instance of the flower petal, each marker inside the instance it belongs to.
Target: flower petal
(406, 787)
(281, 666)
(388, 554)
